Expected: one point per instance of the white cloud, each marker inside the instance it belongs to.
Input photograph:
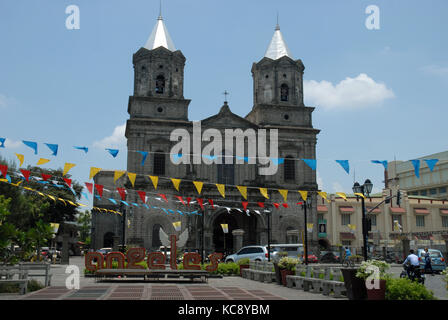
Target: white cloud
(320, 183)
(117, 139)
(359, 92)
(13, 144)
(6, 101)
(435, 70)
(337, 187)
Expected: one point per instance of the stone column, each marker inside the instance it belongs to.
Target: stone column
(64, 253)
(264, 237)
(116, 243)
(237, 239)
(406, 247)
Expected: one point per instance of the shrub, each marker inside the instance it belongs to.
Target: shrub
(368, 267)
(243, 261)
(288, 263)
(34, 285)
(405, 289)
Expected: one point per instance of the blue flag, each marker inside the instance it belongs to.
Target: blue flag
(53, 148)
(344, 164)
(431, 163)
(416, 164)
(384, 163)
(113, 201)
(146, 206)
(31, 144)
(85, 149)
(277, 161)
(2, 142)
(311, 163)
(144, 154)
(125, 203)
(113, 152)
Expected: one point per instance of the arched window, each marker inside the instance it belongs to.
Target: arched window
(159, 162)
(160, 84)
(289, 169)
(226, 172)
(284, 92)
(156, 243)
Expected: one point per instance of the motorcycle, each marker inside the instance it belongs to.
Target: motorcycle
(414, 274)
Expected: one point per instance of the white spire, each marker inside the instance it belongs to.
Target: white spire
(277, 48)
(160, 37)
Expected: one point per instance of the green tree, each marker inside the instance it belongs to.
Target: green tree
(84, 220)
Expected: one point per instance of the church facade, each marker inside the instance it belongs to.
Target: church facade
(158, 107)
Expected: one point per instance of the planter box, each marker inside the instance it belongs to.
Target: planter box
(356, 287)
(284, 273)
(278, 275)
(377, 294)
(243, 266)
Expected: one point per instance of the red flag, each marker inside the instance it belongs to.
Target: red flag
(245, 203)
(301, 202)
(201, 203)
(211, 203)
(261, 204)
(99, 189)
(285, 205)
(46, 176)
(122, 193)
(163, 196)
(276, 205)
(26, 174)
(181, 199)
(142, 195)
(3, 170)
(68, 182)
(188, 201)
(89, 186)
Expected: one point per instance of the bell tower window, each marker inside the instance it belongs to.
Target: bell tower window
(159, 162)
(160, 84)
(289, 170)
(284, 92)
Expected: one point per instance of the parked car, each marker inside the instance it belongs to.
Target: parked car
(329, 257)
(104, 251)
(311, 258)
(257, 253)
(438, 262)
(293, 250)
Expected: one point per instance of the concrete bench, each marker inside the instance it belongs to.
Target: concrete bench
(259, 271)
(37, 269)
(23, 284)
(151, 273)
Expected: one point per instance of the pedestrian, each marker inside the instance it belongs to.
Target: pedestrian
(428, 264)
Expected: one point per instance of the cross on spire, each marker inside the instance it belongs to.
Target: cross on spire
(225, 93)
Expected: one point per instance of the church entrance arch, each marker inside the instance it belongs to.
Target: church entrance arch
(108, 240)
(218, 234)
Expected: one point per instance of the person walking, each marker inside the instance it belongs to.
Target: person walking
(428, 262)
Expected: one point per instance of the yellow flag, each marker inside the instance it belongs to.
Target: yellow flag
(176, 183)
(322, 194)
(221, 189)
(17, 184)
(309, 227)
(118, 174)
(360, 194)
(4, 180)
(154, 180)
(94, 171)
(304, 194)
(132, 177)
(198, 185)
(21, 158)
(81, 205)
(264, 192)
(284, 194)
(72, 203)
(243, 191)
(342, 195)
(28, 188)
(62, 200)
(177, 225)
(42, 161)
(67, 168)
(51, 197)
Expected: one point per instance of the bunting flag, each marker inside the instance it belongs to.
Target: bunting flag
(122, 193)
(21, 158)
(89, 187)
(181, 199)
(200, 201)
(383, 162)
(118, 174)
(63, 201)
(3, 169)
(163, 196)
(431, 163)
(132, 177)
(277, 161)
(221, 189)
(154, 180)
(68, 182)
(311, 163)
(46, 176)
(322, 194)
(142, 195)
(243, 191)
(53, 148)
(85, 149)
(416, 164)
(176, 183)
(342, 195)
(245, 203)
(211, 203)
(177, 225)
(303, 194)
(309, 227)
(188, 201)
(225, 227)
(113, 152)
(93, 172)
(345, 165)
(144, 155)
(99, 189)
(276, 205)
(67, 167)
(51, 197)
(112, 200)
(284, 194)
(285, 205)
(360, 194)
(264, 192)
(26, 174)
(31, 144)
(85, 195)
(42, 161)
(261, 204)
(2, 142)
(198, 186)
(125, 203)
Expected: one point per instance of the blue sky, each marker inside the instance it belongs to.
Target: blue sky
(379, 94)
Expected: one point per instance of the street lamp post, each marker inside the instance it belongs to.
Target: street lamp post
(363, 191)
(123, 239)
(269, 235)
(306, 205)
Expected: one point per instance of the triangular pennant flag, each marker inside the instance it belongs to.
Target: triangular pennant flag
(383, 162)
(264, 192)
(51, 197)
(188, 201)
(360, 195)
(53, 148)
(181, 199)
(26, 174)
(118, 174)
(2, 142)
(261, 204)
(311, 163)
(93, 172)
(276, 205)
(163, 196)
(85, 195)
(99, 189)
(46, 176)
(89, 186)
(144, 154)
(200, 201)
(142, 195)
(71, 203)
(322, 194)
(146, 206)
(122, 193)
(21, 158)
(63, 201)
(345, 165)
(243, 191)
(113, 152)
(154, 180)
(127, 204)
(198, 185)
(176, 183)
(211, 203)
(85, 149)
(132, 177)
(342, 195)
(67, 167)
(221, 189)
(416, 164)
(31, 144)
(277, 161)
(4, 169)
(431, 163)
(245, 203)
(42, 161)
(68, 182)
(284, 194)
(285, 205)
(303, 194)
(112, 200)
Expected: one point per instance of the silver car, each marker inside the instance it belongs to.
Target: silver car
(256, 253)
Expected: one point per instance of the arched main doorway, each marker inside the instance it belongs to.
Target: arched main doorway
(108, 240)
(218, 233)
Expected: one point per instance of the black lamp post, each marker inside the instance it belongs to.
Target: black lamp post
(306, 205)
(269, 234)
(365, 190)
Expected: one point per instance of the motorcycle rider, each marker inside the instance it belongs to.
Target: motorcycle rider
(411, 264)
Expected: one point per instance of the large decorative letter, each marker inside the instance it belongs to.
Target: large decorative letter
(193, 257)
(214, 260)
(135, 255)
(115, 255)
(156, 260)
(90, 257)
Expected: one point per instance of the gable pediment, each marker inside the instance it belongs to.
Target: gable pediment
(227, 119)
